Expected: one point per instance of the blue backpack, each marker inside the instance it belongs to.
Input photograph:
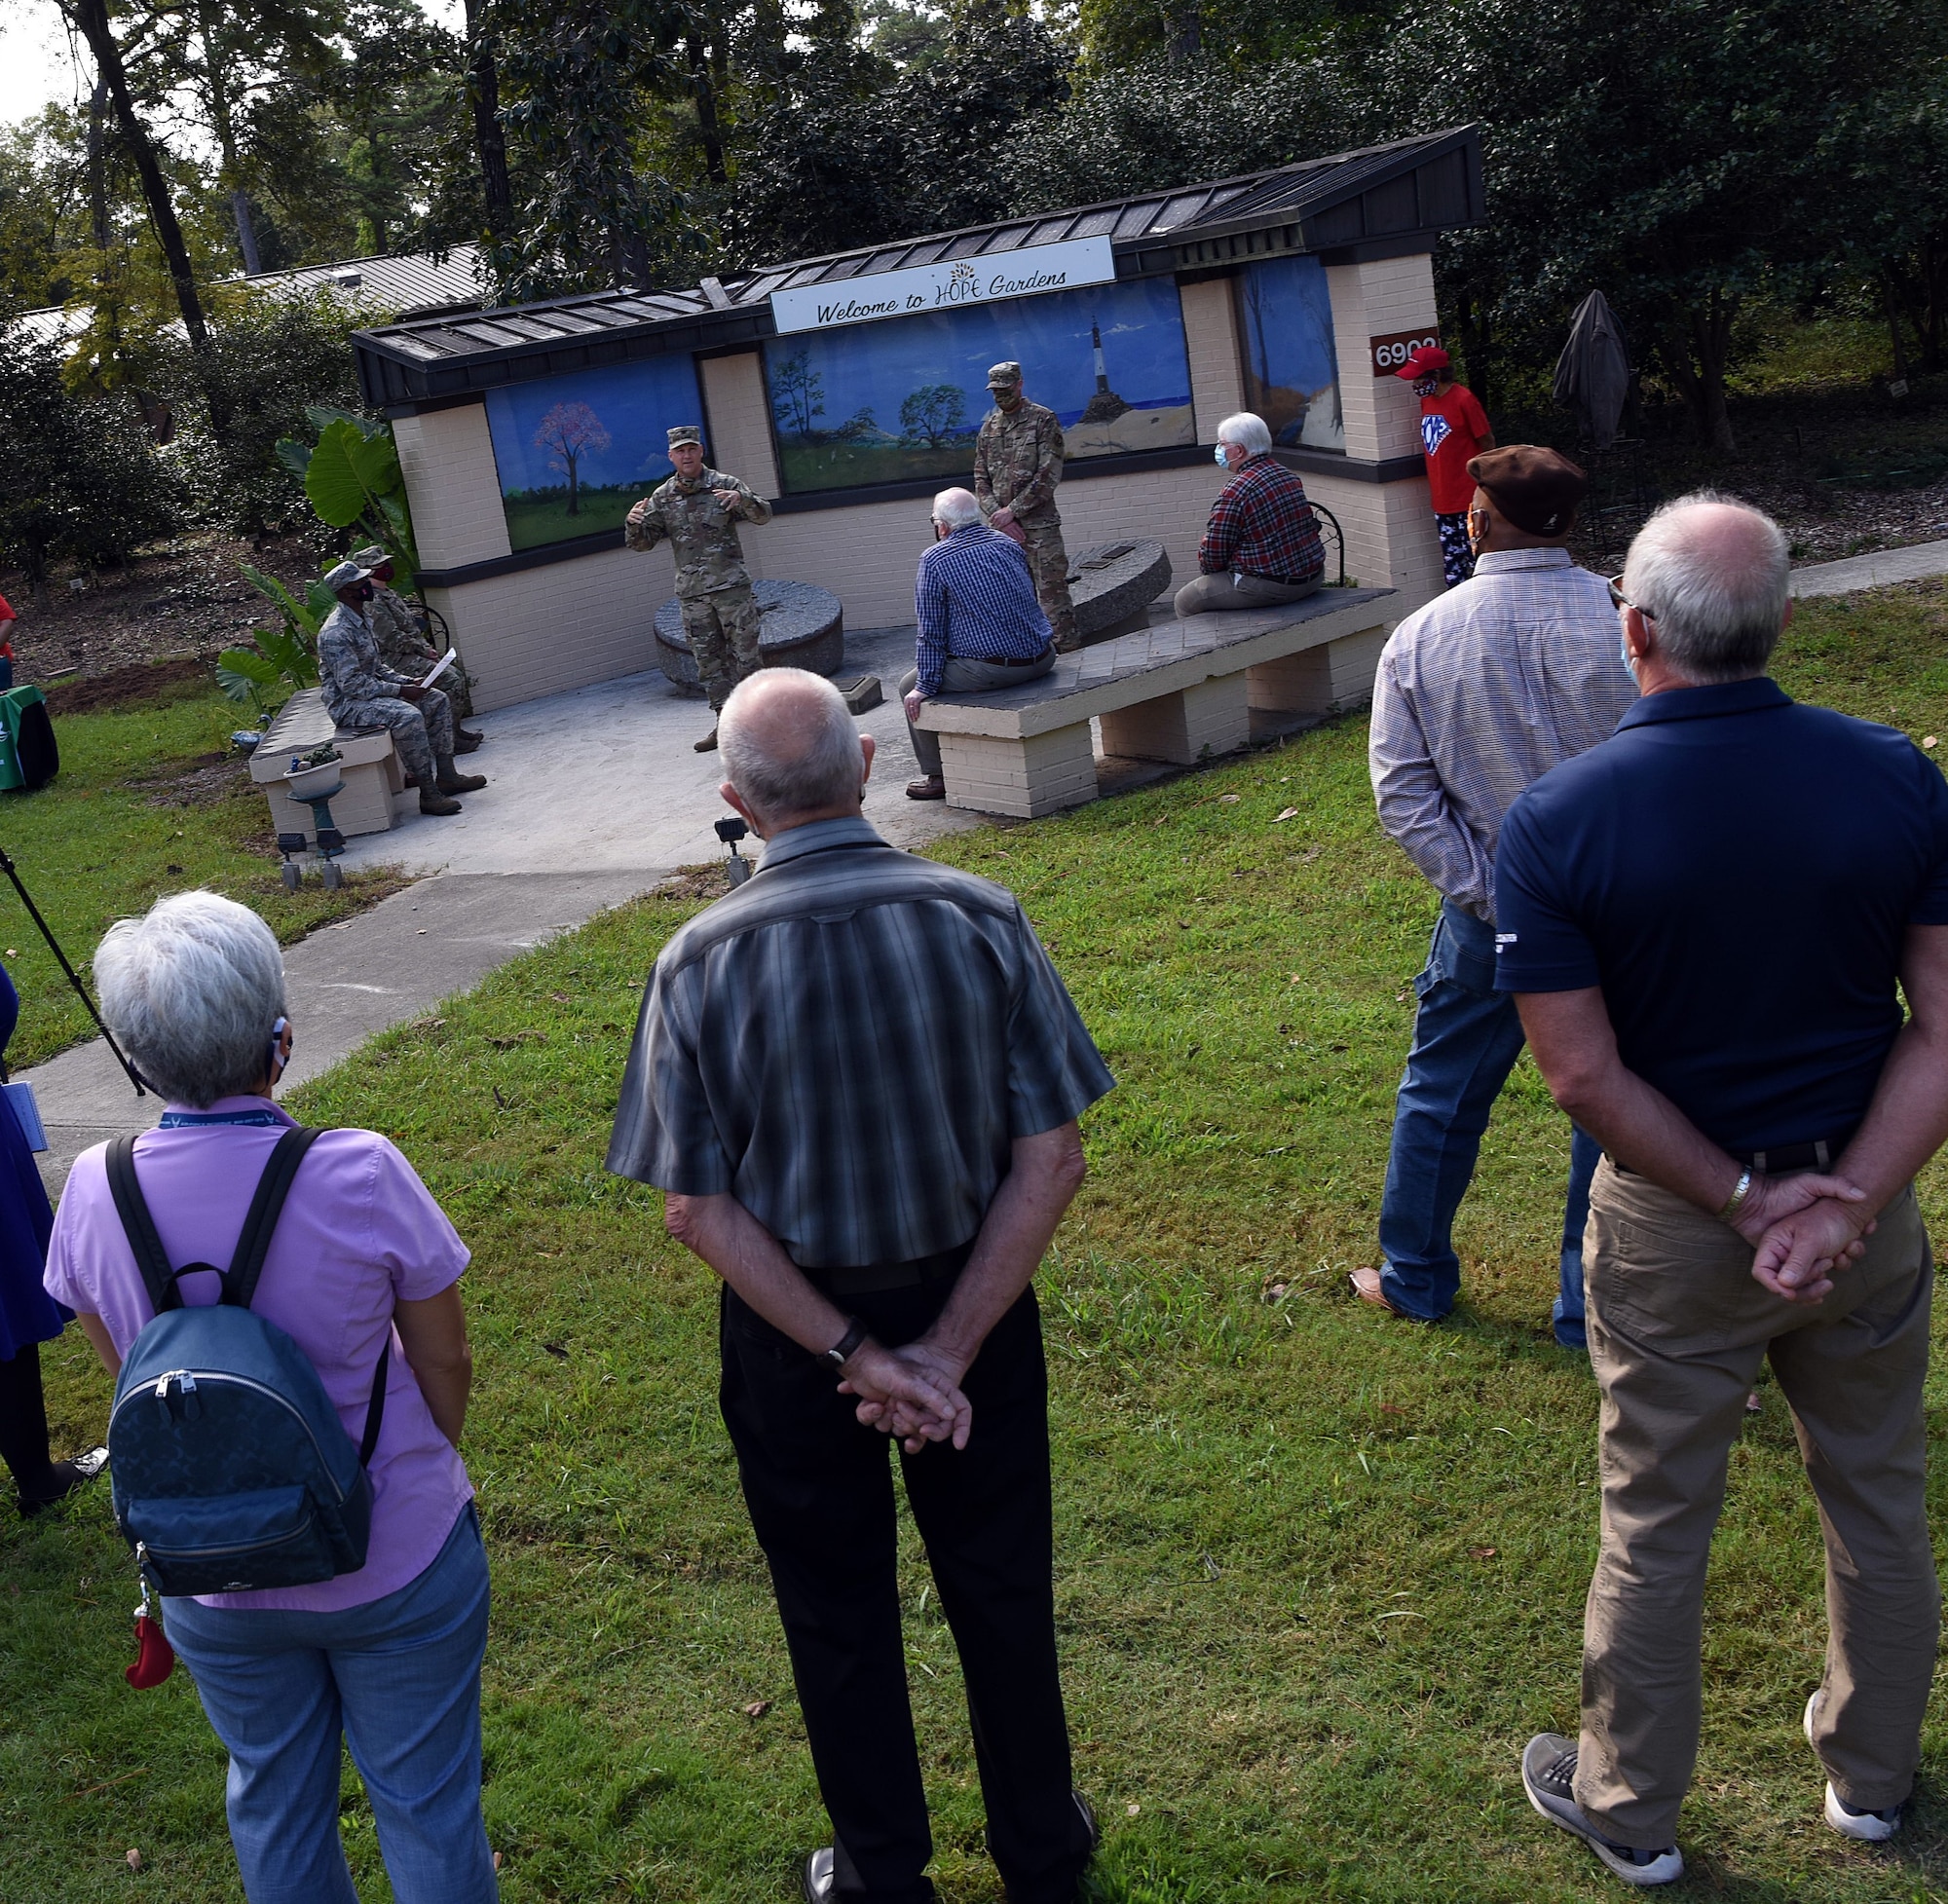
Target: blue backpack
(230, 1468)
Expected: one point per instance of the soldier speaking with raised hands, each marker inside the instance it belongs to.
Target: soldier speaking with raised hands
(1017, 465)
(699, 509)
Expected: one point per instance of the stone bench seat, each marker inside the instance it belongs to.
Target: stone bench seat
(1179, 691)
(376, 795)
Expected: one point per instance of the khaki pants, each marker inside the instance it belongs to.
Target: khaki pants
(1216, 594)
(1678, 1330)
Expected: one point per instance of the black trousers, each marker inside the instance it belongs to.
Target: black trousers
(820, 1491)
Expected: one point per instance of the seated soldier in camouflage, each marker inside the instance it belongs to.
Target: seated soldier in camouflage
(404, 641)
(361, 692)
(699, 509)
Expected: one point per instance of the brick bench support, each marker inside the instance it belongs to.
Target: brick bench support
(1179, 691)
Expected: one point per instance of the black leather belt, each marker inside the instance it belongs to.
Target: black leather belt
(1009, 662)
(1787, 1158)
(868, 1279)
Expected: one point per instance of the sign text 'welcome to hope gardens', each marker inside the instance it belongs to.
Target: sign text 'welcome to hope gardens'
(949, 285)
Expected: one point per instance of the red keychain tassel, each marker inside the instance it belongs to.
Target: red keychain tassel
(155, 1656)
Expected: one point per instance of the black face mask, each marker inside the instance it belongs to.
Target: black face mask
(365, 591)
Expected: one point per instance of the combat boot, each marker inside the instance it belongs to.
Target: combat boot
(450, 779)
(436, 802)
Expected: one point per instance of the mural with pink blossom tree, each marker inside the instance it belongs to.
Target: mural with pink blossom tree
(567, 433)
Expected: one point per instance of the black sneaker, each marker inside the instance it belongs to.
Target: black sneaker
(818, 1879)
(1549, 1777)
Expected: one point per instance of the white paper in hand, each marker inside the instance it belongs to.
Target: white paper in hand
(440, 667)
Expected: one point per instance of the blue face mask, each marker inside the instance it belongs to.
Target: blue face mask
(1224, 460)
(1629, 659)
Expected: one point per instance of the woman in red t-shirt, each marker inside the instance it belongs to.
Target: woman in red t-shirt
(1453, 430)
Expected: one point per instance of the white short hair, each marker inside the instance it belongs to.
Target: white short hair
(191, 990)
(1251, 433)
(955, 509)
(1714, 589)
(782, 767)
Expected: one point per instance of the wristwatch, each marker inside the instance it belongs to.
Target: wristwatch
(848, 1344)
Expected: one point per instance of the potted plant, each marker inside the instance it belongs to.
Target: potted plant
(313, 775)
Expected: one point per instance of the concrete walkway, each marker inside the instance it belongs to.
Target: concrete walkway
(592, 797)
(1915, 563)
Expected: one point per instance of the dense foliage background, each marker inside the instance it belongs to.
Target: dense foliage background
(1711, 168)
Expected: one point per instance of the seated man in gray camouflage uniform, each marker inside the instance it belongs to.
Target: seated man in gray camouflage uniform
(699, 509)
(361, 692)
(404, 644)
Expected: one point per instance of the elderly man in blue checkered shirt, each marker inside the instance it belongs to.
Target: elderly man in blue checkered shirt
(980, 624)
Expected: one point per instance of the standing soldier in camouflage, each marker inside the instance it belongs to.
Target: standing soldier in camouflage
(1017, 465)
(699, 509)
(404, 643)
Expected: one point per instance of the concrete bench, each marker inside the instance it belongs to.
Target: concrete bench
(1178, 692)
(375, 796)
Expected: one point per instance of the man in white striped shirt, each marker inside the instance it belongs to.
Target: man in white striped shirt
(1480, 693)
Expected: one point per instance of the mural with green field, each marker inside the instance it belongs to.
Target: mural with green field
(575, 452)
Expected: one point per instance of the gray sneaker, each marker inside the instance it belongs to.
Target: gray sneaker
(1869, 1827)
(1549, 1777)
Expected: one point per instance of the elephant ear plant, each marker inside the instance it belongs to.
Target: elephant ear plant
(283, 658)
(352, 479)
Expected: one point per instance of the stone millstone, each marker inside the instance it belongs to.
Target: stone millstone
(1115, 582)
(803, 626)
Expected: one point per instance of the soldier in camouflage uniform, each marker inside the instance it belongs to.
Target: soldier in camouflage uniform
(699, 509)
(1017, 465)
(362, 693)
(405, 644)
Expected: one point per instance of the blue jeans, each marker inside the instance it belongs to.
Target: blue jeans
(1466, 1039)
(401, 1678)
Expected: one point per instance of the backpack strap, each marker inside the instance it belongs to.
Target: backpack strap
(151, 1259)
(239, 1281)
(375, 1409)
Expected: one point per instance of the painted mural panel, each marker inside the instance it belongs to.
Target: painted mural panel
(901, 399)
(1292, 375)
(575, 452)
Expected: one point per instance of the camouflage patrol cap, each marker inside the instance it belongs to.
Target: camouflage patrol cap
(686, 433)
(344, 575)
(371, 556)
(1003, 376)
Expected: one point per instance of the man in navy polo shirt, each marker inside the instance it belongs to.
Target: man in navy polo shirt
(1707, 922)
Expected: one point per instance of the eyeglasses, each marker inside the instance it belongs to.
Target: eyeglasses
(1619, 599)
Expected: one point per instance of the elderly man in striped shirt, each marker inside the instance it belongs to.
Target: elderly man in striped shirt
(981, 626)
(1480, 691)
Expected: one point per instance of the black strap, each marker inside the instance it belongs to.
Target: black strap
(158, 1278)
(239, 1282)
(375, 1409)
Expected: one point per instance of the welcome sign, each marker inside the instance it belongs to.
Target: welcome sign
(953, 284)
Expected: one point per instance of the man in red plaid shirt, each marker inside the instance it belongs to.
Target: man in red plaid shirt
(1261, 546)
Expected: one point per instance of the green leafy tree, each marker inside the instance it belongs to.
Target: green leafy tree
(352, 478)
(933, 415)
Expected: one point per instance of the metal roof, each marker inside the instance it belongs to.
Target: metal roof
(1386, 197)
(402, 281)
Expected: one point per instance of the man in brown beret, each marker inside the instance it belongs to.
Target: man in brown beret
(1480, 691)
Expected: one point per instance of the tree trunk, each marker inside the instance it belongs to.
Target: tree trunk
(246, 232)
(483, 91)
(97, 165)
(91, 21)
(1185, 37)
(705, 89)
(1693, 352)
(1892, 310)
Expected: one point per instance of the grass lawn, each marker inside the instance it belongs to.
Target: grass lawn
(1321, 1574)
(149, 800)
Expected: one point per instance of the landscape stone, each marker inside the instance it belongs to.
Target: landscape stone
(1113, 582)
(803, 626)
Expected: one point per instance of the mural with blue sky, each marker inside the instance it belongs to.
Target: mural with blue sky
(1292, 374)
(902, 398)
(575, 452)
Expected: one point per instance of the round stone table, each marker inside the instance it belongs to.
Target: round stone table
(1113, 583)
(803, 626)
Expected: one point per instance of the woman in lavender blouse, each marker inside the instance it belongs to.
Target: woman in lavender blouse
(387, 1657)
